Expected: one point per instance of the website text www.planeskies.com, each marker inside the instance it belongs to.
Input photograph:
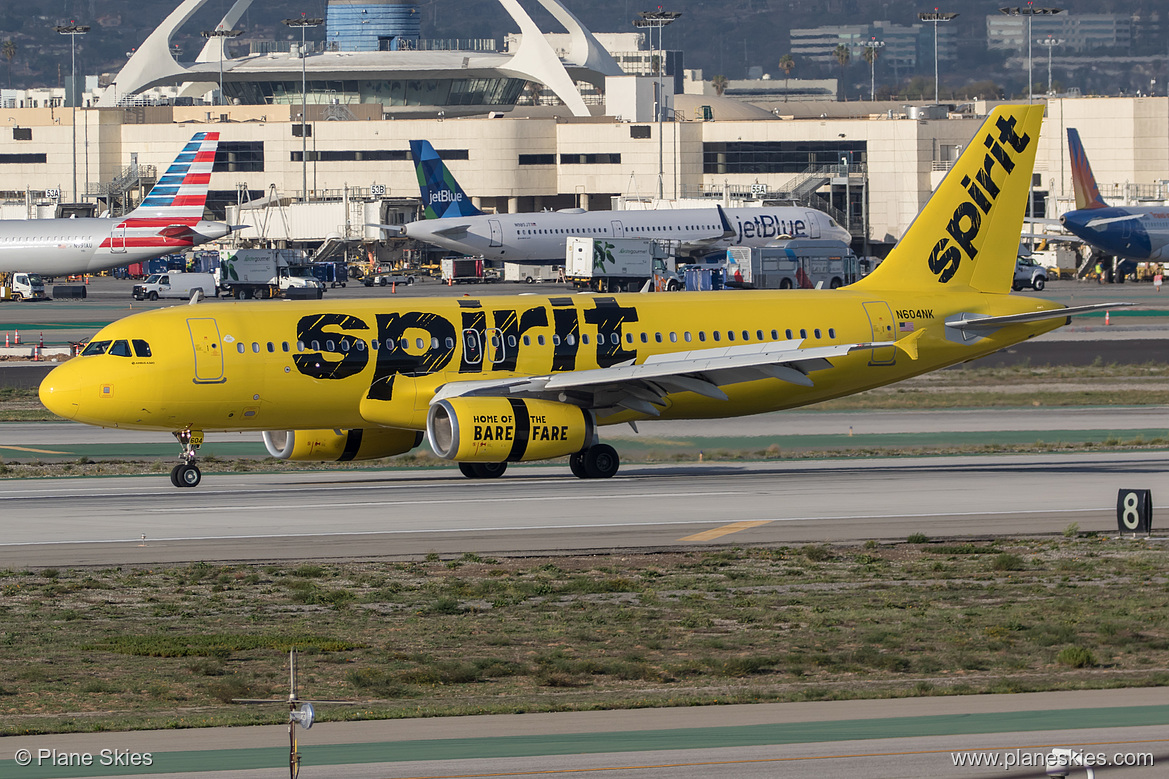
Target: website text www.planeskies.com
(1051, 758)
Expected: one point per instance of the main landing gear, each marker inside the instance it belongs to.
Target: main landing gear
(597, 462)
(482, 470)
(186, 473)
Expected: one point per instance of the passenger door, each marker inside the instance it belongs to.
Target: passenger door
(208, 350)
(813, 224)
(496, 233)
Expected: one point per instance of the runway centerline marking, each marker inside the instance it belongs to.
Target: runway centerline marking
(448, 501)
(34, 451)
(726, 530)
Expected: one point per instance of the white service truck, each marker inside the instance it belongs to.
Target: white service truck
(22, 286)
(619, 264)
(530, 273)
(175, 284)
(798, 263)
(267, 273)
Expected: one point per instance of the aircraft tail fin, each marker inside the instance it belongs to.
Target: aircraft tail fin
(441, 195)
(1084, 183)
(967, 235)
(181, 192)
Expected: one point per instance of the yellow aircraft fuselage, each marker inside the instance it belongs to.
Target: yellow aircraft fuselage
(494, 380)
(357, 363)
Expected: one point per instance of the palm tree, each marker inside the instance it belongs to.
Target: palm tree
(787, 64)
(870, 56)
(843, 56)
(8, 51)
(720, 84)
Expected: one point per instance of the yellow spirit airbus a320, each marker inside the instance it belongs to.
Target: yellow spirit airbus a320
(504, 379)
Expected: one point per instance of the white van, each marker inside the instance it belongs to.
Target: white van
(175, 284)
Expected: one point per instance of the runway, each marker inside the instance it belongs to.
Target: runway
(541, 509)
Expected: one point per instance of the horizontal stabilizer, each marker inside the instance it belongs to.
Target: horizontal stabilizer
(975, 322)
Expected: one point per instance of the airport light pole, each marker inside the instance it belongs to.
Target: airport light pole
(1050, 43)
(872, 45)
(73, 30)
(936, 17)
(303, 22)
(221, 33)
(1030, 11)
(658, 19)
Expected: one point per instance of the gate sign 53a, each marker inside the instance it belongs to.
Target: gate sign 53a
(1134, 511)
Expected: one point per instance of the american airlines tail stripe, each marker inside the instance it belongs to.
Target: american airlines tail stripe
(134, 221)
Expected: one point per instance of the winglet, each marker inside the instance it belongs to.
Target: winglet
(908, 344)
(728, 231)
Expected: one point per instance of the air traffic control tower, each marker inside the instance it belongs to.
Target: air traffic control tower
(372, 25)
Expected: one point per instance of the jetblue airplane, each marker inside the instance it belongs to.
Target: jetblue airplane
(454, 223)
(169, 219)
(1138, 233)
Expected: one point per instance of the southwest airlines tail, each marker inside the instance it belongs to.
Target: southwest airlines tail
(1087, 193)
(181, 192)
(967, 236)
(441, 195)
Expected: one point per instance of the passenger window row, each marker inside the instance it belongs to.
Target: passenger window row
(345, 344)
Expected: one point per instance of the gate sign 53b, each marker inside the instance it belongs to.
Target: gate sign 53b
(1134, 511)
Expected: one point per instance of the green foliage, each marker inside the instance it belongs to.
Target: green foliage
(174, 645)
(1006, 561)
(918, 538)
(1076, 657)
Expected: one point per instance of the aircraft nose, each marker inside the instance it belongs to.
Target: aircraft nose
(60, 391)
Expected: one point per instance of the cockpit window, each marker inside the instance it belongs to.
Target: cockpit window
(95, 347)
(141, 348)
(120, 348)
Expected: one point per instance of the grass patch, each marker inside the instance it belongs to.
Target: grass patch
(125, 648)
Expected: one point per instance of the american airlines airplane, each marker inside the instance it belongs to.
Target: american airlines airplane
(454, 223)
(169, 219)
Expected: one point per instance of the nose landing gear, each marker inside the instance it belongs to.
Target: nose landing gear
(186, 473)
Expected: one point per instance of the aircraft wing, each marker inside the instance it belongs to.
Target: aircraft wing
(978, 322)
(1052, 237)
(643, 387)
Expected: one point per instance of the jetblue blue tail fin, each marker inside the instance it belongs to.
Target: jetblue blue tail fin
(442, 196)
(1083, 182)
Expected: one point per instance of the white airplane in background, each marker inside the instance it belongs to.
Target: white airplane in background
(454, 223)
(169, 219)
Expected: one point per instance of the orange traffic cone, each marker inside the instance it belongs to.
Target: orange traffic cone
(42, 340)
(17, 338)
(394, 288)
(1106, 319)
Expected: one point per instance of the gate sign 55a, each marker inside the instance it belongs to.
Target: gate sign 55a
(1134, 511)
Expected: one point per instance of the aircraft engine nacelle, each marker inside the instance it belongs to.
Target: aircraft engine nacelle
(339, 445)
(495, 430)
